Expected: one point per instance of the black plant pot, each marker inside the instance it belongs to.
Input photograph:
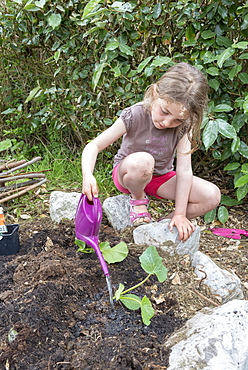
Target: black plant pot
(9, 242)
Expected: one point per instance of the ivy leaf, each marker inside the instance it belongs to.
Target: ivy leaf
(223, 214)
(152, 263)
(210, 133)
(54, 20)
(112, 45)
(226, 129)
(131, 301)
(31, 7)
(147, 311)
(116, 254)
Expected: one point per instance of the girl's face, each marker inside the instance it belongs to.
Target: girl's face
(168, 115)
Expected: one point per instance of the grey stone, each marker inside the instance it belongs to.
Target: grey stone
(63, 205)
(159, 235)
(214, 339)
(117, 211)
(222, 283)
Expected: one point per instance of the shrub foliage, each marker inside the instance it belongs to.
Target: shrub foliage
(69, 67)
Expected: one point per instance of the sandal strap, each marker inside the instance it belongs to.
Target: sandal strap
(134, 216)
(139, 202)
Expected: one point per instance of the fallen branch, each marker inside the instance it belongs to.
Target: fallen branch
(9, 165)
(30, 175)
(21, 166)
(17, 186)
(19, 193)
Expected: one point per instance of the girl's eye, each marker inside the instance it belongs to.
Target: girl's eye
(164, 112)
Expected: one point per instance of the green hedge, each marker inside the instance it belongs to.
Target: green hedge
(69, 67)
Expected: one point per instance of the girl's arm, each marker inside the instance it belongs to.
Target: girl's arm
(91, 151)
(183, 186)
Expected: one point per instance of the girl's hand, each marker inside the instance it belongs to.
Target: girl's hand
(90, 187)
(184, 226)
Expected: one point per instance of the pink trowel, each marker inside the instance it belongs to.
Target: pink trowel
(87, 225)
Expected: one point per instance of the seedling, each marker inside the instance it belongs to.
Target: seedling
(111, 255)
(152, 264)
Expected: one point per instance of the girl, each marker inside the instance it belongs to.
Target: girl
(166, 122)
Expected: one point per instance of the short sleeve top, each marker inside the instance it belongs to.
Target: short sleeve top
(143, 136)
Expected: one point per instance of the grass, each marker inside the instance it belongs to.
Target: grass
(63, 174)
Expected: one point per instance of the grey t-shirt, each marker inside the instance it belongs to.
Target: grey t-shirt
(143, 136)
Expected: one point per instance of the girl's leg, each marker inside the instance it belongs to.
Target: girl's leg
(134, 173)
(204, 196)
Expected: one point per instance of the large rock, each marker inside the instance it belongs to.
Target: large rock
(63, 205)
(222, 283)
(159, 235)
(117, 210)
(214, 339)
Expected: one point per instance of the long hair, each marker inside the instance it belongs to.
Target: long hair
(184, 84)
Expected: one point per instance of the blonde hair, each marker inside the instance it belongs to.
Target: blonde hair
(184, 84)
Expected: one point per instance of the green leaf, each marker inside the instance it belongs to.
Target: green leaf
(210, 133)
(243, 180)
(116, 254)
(213, 71)
(83, 247)
(210, 216)
(240, 45)
(5, 144)
(226, 129)
(157, 10)
(223, 214)
(147, 311)
(31, 8)
(243, 149)
(119, 291)
(161, 61)
(89, 7)
(54, 20)
(97, 74)
(112, 45)
(131, 301)
(228, 201)
(125, 49)
(33, 93)
(207, 34)
(232, 166)
(8, 111)
(244, 168)
(242, 191)
(235, 144)
(224, 56)
(215, 84)
(245, 106)
(222, 108)
(243, 56)
(243, 77)
(152, 263)
(144, 63)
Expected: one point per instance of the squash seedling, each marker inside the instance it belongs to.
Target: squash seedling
(152, 264)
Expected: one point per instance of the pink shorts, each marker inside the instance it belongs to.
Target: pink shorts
(151, 188)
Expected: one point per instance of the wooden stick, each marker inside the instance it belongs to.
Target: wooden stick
(17, 186)
(9, 165)
(204, 297)
(23, 191)
(26, 176)
(21, 166)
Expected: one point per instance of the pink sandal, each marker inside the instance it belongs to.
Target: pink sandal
(134, 216)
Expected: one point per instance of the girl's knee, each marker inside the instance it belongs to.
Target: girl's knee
(214, 196)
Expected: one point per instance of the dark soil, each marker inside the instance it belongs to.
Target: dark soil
(55, 311)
